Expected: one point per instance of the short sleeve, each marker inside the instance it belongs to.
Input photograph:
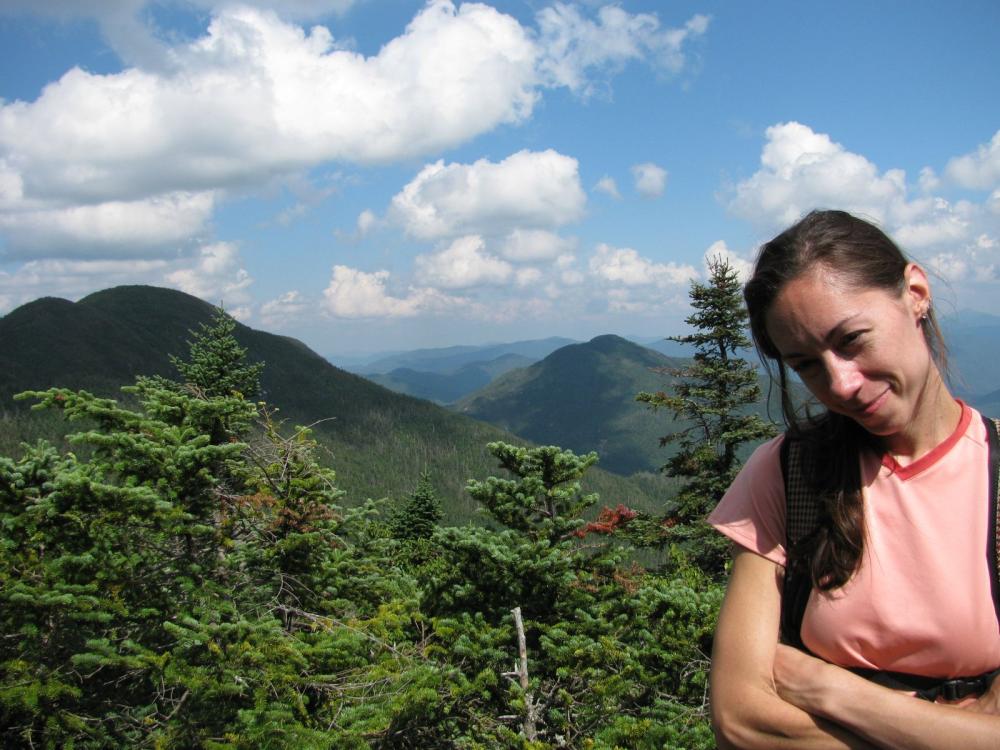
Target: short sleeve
(752, 512)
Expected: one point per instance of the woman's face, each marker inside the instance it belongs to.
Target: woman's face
(860, 351)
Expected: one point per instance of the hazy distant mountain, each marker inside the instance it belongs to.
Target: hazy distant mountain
(973, 340)
(447, 374)
(379, 441)
(664, 346)
(447, 360)
(445, 388)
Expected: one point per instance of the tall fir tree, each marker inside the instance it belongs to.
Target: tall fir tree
(712, 397)
(545, 500)
(420, 513)
(216, 363)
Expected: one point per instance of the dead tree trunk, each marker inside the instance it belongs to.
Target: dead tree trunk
(528, 721)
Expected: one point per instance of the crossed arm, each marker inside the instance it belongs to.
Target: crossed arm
(766, 695)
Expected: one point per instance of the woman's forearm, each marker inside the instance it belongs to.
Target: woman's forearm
(757, 719)
(887, 718)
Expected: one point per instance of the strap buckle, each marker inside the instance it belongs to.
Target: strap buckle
(959, 688)
(955, 690)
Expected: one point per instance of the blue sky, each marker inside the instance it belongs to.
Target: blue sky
(371, 174)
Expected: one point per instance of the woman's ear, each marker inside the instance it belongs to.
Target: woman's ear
(917, 291)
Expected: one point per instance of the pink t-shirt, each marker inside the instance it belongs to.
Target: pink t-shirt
(921, 600)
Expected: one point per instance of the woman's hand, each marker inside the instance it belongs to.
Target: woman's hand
(801, 679)
(804, 681)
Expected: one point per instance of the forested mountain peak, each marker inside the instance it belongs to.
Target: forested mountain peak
(582, 396)
(607, 345)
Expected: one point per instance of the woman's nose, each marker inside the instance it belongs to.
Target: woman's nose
(844, 379)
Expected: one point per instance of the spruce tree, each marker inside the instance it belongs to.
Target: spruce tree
(545, 500)
(712, 396)
(216, 363)
(420, 513)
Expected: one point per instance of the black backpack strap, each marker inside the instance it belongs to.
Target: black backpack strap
(801, 518)
(993, 544)
(801, 508)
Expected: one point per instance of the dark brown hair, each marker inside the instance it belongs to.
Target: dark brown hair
(865, 257)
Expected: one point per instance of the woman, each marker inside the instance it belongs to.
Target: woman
(899, 564)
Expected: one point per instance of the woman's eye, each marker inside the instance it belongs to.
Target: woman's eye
(852, 339)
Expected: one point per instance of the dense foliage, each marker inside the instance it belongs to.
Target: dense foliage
(188, 576)
(713, 395)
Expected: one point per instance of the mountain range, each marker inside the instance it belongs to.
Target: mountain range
(377, 440)
(447, 374)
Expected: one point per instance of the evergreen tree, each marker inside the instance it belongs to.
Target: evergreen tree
(420, 513)
(712, 397)
(544, 500)
(215, 365)
(615, 654)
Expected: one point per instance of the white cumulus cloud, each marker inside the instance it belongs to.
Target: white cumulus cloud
(533, 245)
(256, 97)
(569, 274)
(526, 190)
(977, 260)
(463, 264)
(528, 277)
(949, 266)
(720, 251)
(352, 293)
(366, 222)
(979, 170)
(124, 26)
(122, 228)
(72, 279)
(624, 266)
(216, 276)
(608, 186)
(285, 308)
(215, 273)
(575, 45)
(252, 98)
(802, 170)
(650, 179)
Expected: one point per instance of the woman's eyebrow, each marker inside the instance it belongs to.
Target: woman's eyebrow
(840, 324)
(829, 336)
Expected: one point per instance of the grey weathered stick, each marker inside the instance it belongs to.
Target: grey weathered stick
(528, 724)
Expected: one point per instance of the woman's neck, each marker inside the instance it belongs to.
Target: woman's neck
(935, 419)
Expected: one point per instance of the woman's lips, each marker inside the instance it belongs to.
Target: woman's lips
(873, 406)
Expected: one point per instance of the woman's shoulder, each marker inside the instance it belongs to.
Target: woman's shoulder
(752, 512)
(768, 450)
